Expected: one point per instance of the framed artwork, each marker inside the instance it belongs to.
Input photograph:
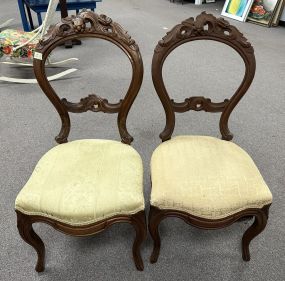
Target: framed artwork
(237, 9)
(263, 11)
(278, 13)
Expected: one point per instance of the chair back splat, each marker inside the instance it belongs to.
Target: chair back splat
(205, 27)
(89, 24)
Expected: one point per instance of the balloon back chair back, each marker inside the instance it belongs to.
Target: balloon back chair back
(84, 186)
(207, 182)
(20, 46)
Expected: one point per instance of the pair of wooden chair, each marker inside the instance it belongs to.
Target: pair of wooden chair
(84, 186)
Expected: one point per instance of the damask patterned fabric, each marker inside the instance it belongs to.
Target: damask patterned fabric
(83, 182)
(11, 38)
(206, 177)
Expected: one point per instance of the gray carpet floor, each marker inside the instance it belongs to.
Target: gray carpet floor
(29, 123)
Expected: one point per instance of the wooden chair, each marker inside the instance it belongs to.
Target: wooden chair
(82, 187)
(207, 182)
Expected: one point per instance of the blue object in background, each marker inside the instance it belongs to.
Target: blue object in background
(40, 6)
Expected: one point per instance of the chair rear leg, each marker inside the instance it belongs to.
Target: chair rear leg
(40, 20)
(139, 223)
(22, 9)
(26, 231)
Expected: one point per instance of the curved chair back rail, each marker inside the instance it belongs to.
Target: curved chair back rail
(89, 24)
(205, 27)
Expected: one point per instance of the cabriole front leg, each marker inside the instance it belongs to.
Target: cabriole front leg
(154, 221)
(256, 228)
(24, 224)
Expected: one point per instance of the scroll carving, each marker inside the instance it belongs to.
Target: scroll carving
(88, 22)
(204, 25)
(92, 103)
(198, 104)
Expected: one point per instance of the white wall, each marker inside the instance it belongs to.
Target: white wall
(283, 16)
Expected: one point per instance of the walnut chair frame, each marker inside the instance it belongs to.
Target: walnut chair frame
(205, 27)
(87, 24)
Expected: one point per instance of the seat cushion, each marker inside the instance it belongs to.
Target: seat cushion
(83, 182)
(206, 177)
(10, 38)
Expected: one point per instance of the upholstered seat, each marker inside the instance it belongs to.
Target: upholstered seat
(85, 181)
(206, 177)
(11, 38)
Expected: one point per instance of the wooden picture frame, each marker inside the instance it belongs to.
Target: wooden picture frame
(278, 13)
(262, 12)
(237, 9)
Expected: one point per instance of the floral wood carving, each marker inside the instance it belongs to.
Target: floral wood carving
(93, 103)
(198, 104)
(90, 25)
(204, 25)
(88, 22)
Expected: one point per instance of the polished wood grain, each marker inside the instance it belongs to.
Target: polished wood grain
(156, 215)
(26, 231)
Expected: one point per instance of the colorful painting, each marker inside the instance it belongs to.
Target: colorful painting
(237, 9)
(262, 11)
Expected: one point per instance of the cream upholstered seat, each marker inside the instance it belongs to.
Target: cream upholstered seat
(206, 177)
(85, 181)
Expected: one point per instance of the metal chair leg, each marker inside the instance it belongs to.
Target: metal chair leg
(40, 21)
(25, 23)
(30, 18)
